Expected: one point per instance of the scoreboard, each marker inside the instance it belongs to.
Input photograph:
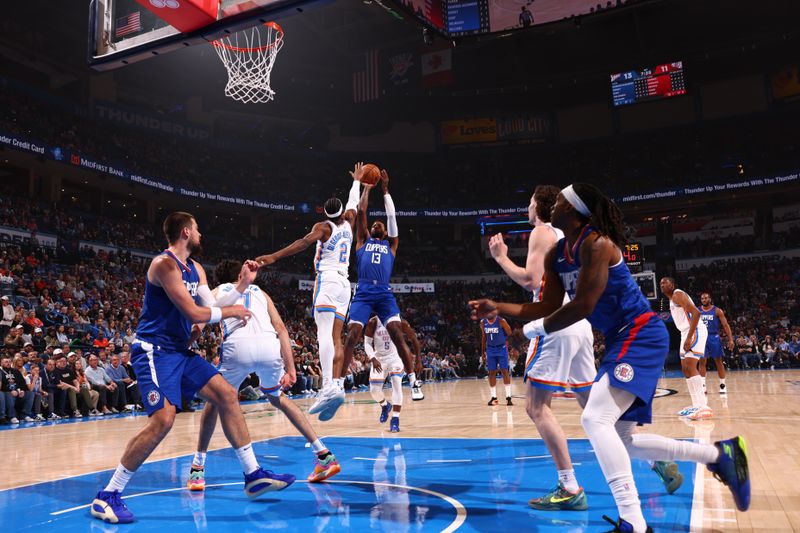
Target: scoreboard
(467, 17)
(634, 257)
(634, 86)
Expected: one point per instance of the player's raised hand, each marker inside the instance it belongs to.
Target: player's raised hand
(385, 181)
(497, 246)
(481, 308)
(249, 271)
(358, 171)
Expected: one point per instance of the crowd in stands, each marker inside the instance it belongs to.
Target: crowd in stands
(699, 153)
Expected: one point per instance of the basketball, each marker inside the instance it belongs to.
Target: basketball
(372, 174)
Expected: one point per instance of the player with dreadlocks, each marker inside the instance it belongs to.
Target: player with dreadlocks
(588, 265)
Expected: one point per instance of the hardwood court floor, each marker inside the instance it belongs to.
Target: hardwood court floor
(761, 405)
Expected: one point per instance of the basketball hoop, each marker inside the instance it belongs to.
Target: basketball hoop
(249, 56)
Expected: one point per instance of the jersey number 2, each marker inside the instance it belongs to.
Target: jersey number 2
(343, 252)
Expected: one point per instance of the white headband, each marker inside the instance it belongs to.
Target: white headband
(575, 200)
(336, 214)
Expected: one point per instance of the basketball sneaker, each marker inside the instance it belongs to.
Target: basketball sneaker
(416, 391)
(560, 499)
(197, 478)
(492, 401)
(109, 507)
(328, 401)
(723, 389)
(622, 526)
(394, 425)
(669, 474)
(508, 400)
(324, 468)
(687, 411)
(732, 470)
(385, 410)
(260, 481)
(702, 413)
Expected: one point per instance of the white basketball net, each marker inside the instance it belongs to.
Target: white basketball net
(249, 56)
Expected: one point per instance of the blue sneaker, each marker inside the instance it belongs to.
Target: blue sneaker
(394, 425)
(669, 474)
(732, 470)
(385, 410)
(261, 481)
(108, 506)
(622, 526)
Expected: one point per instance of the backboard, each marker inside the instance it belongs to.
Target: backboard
(123, 31)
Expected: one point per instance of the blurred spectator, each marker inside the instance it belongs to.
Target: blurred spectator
(13, 389)
(7, 317)
(104, 385)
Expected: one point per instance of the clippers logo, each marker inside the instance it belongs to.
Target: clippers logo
(153, 397)
(623, 372)
(161, 4)
(400, 65)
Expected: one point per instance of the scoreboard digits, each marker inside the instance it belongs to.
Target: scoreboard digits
(632, 253)
(662, 81)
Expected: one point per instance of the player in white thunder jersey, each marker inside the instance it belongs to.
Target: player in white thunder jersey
(259, 345)
(555, 361)
(694, 334)
(334, 238)
(386, 363)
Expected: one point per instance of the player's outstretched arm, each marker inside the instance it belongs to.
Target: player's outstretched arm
(286, 343)
(362, 233)
(540, 241)
(551, 299)
(164, 273)
(319, 232)
(353, 196)
(392, 231)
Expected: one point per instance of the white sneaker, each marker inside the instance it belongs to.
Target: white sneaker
(14, 420)
(39, 418)
(702, 413)
(28, 419)
(77, 414)
(416, 391)
(723, 389)
(94, 412)
(53, 416)
(687, 411)
(328, 402)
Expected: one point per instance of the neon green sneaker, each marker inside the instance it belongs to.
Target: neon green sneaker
(560, 499)
(669, 474)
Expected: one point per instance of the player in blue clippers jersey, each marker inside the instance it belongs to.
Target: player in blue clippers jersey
(494, 336)
(713, 317)
(588, 264)
(168, 371)
(375, 253)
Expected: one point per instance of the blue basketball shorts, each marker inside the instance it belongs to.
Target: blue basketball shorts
(369, 300)
(168, 374)
(634, 360)
(714, 347)
(496, 358)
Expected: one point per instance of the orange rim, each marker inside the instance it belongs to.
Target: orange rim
(274, 25)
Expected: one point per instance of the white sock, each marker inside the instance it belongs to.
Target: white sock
(507, 386)
(247, 458)
(695, 384)
(412, 378)
(568, 480)
(704, 383)
(339, 383)
(722, 381)
(199, 459)
(493, 390)
(627, 497)
(120, 478)
(317, 446)
(395, 414)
